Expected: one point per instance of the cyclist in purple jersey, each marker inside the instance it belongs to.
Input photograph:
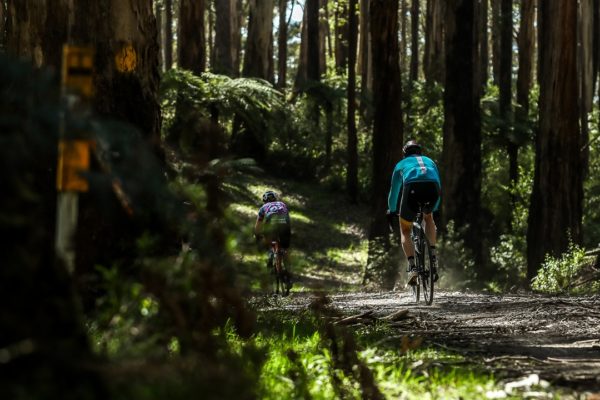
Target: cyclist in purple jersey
(273, 222)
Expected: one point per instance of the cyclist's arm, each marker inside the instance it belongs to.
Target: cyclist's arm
(395, 190)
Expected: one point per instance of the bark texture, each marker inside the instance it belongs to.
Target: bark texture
(433, 60)
(586, 74)
(505, 86)
(526, 43)
(191, 42)
(461, 158)
(414, 46)
(259, 42)
(388, 127)
(224, 55)
(282, 46)
(342, 35)
(352, 169)
(168, 44)
(556, 202)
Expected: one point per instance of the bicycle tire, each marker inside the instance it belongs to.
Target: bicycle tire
(426, 272)
(416, 289)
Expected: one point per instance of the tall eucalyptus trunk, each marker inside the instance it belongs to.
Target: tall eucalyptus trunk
(526, 45)
(388, 127)
(223, 61)
(505, 86)
(586, 74)
(168, 45)
(496, 34)
(191, 42)
(342, 35)
(461, 156)
(352, 168)
(433, 64)
(415, 11)
(258, 43)
(364, 53)
(282, 46)
(558, 164)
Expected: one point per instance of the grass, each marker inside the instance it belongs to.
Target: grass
(300, 364)
(329, 244)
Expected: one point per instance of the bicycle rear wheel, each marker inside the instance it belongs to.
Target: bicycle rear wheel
(426, 275)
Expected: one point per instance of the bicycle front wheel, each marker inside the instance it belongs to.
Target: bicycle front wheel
(426, 275)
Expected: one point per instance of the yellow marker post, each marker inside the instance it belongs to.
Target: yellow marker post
(73, 150)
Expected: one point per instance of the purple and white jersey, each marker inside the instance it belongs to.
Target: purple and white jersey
(275, 208)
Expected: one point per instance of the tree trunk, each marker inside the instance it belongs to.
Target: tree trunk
(210, 33)
(505, 86)
(260, 23)
(433, 64)
(404, 35)
(484, 43)
(168, 46)
(301, 72)
(526, 45)
(158, 14)
(388, 128)
(352, 168)
(191, 45)
(461, 158)
(282, 46)
(552, 218)
(237, 37)
(414, 47)
(2, 26)
(365, 50)
(43, 333)
(313, 58)
(586, 75)
(496, 40)
(342, 36)
(26, 28)
(596, 42)
(323, 34)
(223, 56)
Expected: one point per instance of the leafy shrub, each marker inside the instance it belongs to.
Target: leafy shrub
(558, 273)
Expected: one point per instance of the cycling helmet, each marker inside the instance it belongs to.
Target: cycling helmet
(269, 196)
(411, 147)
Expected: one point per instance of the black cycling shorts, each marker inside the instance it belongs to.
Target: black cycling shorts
(278, 231)
(426, 193)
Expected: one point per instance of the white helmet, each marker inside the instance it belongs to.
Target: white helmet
(269, 196)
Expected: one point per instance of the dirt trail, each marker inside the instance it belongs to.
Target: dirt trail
(555, 337)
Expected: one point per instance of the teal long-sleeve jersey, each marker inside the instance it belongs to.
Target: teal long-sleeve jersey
(414, 168)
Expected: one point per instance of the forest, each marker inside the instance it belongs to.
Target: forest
(138, 141)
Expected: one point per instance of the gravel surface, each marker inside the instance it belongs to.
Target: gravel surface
(517, 334)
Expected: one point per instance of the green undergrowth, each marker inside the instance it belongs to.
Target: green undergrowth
(328, 246)
(303, 362)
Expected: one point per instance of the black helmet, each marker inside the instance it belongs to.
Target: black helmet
(411, 147)
(269, 196)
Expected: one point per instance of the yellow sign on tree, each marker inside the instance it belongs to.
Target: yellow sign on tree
(78, 70)
(126, 59)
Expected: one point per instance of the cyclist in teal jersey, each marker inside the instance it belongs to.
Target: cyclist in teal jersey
(415, 181)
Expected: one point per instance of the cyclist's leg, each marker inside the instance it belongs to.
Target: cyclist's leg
(407, 215)
(407, 244)
(285, 235)
(430, 228)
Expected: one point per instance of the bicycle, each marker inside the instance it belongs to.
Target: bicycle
(423, 261)
(277, 267)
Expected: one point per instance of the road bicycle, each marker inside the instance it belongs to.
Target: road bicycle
(423, 261)
(275, 264)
